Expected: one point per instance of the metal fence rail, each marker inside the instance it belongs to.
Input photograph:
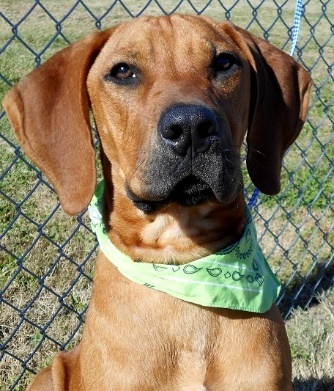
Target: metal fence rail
(46, 259)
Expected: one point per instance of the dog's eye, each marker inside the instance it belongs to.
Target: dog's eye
(122, 73)
(223, 62)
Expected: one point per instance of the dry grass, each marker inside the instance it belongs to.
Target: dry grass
(311, 335)
(39, 305)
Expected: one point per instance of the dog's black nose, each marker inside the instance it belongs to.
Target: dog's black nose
(188, 128)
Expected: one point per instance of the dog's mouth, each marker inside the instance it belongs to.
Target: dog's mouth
(190, 191)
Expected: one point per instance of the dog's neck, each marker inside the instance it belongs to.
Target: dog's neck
(173, 233)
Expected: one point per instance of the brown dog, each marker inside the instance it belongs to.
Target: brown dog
(172, 98)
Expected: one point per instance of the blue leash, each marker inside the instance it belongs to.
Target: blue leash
(295, 33)
(296, 25)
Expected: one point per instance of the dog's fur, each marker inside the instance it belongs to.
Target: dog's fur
(166, 199)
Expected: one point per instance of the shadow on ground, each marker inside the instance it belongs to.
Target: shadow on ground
(314, 385)
(303, 293)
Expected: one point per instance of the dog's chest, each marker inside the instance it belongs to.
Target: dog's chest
(133, 330)
(150, 330)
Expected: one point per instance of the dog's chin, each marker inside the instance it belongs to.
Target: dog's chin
(190, 191)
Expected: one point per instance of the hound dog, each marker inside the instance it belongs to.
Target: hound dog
(183, 298)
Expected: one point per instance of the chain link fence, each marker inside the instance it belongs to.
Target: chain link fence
(46, 259)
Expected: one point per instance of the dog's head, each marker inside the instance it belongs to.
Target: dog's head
(172, 98)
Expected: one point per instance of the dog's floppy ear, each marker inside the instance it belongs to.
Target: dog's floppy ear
(279, 100)
(49, 112)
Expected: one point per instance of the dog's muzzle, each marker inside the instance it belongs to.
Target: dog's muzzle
(191, 162)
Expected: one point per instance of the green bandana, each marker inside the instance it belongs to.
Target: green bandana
(237, 277)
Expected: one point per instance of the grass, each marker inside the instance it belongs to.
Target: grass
(312, 353)
(46, 292)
